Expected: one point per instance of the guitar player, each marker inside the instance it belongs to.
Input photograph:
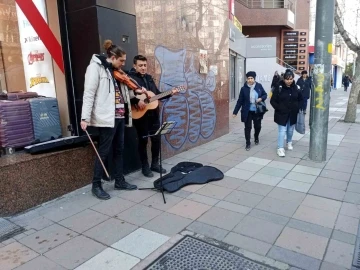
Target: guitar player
(149, 123)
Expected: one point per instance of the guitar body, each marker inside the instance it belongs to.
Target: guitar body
(137, 113)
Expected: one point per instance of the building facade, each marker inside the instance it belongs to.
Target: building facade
(287, 21)
(46, 45)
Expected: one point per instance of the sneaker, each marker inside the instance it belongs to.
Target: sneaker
(256, 141)
(289, 146)
(281, 152)
(247, 147)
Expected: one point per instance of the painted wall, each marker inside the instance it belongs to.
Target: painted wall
(170, 35)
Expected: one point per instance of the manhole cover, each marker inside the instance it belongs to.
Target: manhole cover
(8, 229)
(195, 254)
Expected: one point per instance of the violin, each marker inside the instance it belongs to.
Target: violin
(122, 77)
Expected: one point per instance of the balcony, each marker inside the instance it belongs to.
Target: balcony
(266, 12)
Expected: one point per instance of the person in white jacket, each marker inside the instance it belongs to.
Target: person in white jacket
(107, 105)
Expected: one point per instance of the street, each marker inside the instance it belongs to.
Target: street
(288, 213)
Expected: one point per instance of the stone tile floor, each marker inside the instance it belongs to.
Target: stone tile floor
(289, 212)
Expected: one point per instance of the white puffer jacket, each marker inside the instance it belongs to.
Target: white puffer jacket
(99, 96)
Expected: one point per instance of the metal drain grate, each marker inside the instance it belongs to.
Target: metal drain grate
(8, 229)
(195, 254)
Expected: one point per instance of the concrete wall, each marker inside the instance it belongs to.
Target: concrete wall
(265, 31)
(170, 35)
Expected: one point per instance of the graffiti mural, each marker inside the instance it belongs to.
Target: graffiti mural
(193, 110)
(172, 34)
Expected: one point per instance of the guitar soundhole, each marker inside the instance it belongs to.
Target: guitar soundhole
(146, 101)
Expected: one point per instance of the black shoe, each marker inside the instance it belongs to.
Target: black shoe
(98, 191)
(247, 148)
(256, 141)
(146, 171)
(155, 167)
(123, 185)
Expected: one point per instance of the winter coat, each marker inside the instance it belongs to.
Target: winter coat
(243, 102)
(346, 81)
(305, 86)
(99, 95)
(286, 103)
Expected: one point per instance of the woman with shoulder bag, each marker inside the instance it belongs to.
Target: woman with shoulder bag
(251, 94)
(287, 100)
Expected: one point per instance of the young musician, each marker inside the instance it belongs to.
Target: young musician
(106, 105)
(149, 123)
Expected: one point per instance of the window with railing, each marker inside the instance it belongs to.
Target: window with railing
(286, 4)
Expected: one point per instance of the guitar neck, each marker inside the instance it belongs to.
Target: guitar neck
(167, 93)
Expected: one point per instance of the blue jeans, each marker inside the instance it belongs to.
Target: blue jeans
(288, 130)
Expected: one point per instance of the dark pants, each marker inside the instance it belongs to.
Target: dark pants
(305, 104)
(148, 125)
(252, 117)
(111, 137)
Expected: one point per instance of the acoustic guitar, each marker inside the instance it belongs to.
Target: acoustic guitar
(152, 101)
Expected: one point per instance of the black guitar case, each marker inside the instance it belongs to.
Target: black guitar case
(188, 173)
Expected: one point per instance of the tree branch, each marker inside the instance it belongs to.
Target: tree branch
(341, 30)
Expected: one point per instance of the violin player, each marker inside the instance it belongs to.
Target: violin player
(107, 105)
(149, 123)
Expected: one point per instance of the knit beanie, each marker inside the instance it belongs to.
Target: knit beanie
(251, 74)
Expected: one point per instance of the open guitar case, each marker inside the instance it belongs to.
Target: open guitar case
(188, 173)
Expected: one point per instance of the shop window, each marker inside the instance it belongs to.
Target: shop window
(25, 63)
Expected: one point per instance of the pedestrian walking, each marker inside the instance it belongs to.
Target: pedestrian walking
(287, 100)
(251, 94)
(305, 85)
(346, 82)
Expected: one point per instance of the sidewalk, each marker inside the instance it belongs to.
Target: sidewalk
(289, 212)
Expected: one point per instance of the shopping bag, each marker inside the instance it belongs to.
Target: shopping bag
(300, 124)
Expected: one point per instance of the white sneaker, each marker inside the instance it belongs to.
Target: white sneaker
(289, 146)
(281, 152)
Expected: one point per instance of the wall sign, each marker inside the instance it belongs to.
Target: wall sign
(295, 48)
(37, 61)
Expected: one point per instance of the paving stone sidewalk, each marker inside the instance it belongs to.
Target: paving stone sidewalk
(289, 212)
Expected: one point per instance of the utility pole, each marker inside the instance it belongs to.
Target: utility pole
(324, 29)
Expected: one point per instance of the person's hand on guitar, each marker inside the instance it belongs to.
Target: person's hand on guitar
(141, 105)
(175, 91)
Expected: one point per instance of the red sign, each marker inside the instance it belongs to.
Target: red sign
(35, 57)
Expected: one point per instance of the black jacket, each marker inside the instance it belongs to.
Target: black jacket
(286, 103)
(243, 102)
(346, 81)
(305, 86)
(145, 81)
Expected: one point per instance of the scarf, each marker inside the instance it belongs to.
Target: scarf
(252, 93)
